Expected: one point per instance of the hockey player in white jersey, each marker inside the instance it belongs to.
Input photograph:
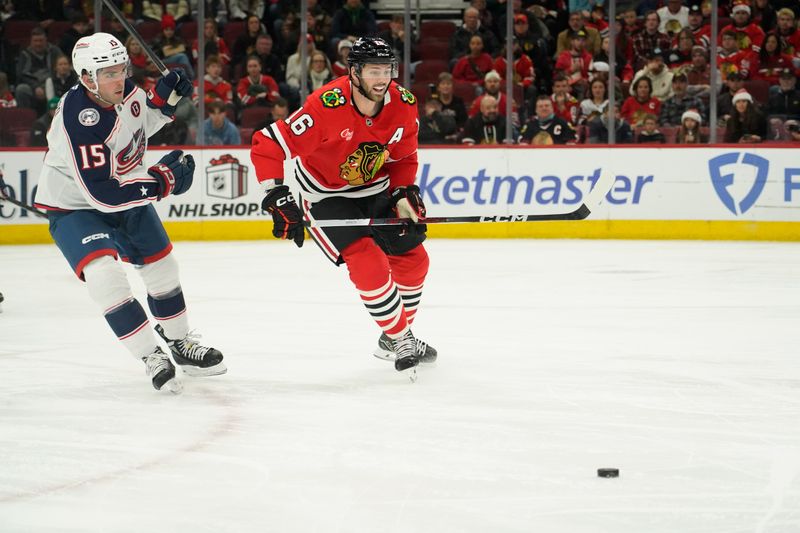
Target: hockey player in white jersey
(99, 198)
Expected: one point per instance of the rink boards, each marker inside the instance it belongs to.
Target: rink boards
(723, 192)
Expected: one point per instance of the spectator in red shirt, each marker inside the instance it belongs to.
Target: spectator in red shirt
(474, 66)
(491, 87)
(700, 30)
(215, 45)
(216, 89)
(256, 88)
(565, 105)
(733, 59)
(788, 33)
(522, 69)
(339, 68)
(642, 103)
(749, 36)
(770, 62)
(574, 63)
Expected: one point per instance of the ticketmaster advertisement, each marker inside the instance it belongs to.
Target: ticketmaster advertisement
(652, 184)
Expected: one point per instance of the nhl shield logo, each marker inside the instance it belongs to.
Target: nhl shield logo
(89, 117)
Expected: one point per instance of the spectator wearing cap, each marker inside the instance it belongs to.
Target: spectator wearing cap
(673, 17)
(786, 101)
(342, 51)
(451, 104)
(699, 73)
(474, 66)
(672, 108)
(597, 20)
(564, 104)
(747, 123)
(660, 77)
(680, 56)
(574, 64)
(486, 127)
(749, 35)
(535, 48)
(156, 9)
(788, 32)
(42, 124)
(770, 61)
(171, 48)
(522, 70)
(63, 78)
(215, 87)
(701, 30)
(462, 37)
(218, 129)
(395, 36)
(689, 132)
(491, 87)
(545, 127)
(735, 83)
(731, 58)
(574, 24)
(641, 103)
(648, 40)
(215, 45)
(599, 127)
(352, 21)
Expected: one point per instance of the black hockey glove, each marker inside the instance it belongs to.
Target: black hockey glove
(407, 203)
(286, 216)
(168, 92)
(173, 173)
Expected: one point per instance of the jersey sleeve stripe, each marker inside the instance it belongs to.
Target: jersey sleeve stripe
(275, 134)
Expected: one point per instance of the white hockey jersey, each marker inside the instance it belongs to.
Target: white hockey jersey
(95, 157)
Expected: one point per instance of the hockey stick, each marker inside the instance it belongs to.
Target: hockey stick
(601, 187)
(135, 34)
(6, 197)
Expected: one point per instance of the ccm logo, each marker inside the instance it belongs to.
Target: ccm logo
(509, 218)
(285, 200)
(96, 236)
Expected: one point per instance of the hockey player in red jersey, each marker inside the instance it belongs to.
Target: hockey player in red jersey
(355, 141)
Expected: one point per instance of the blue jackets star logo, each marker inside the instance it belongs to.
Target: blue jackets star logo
(144, 190)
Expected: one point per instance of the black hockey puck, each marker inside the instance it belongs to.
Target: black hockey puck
(608, 472)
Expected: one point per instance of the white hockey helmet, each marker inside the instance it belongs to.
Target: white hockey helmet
(97, 51)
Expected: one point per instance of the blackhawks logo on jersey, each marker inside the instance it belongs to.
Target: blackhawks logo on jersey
(406, 96)
(332, 98)
(362, 165)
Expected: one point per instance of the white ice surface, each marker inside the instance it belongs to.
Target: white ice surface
(676, 362)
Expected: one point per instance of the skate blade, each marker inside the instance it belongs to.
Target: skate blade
(412, 374)
(195, 371)
(174, 386)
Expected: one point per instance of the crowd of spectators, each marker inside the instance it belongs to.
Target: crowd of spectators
(253, 73)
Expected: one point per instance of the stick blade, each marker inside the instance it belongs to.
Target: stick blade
(601, 187)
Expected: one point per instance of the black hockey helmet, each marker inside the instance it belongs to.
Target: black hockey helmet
(371, 50)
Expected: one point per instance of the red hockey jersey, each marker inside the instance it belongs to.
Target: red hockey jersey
(340, 151)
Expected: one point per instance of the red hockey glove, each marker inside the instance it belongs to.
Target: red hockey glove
(286, 216)
(173, 173)
(407, 203)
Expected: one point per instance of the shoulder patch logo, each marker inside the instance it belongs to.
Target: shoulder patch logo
(135, 109)
(89, 117)
(332, 98)
(406, 96)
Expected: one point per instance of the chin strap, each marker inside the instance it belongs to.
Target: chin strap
(359, 86)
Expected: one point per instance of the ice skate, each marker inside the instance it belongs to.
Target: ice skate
(405, 355)
(195, 359)
(385, 350)
(162, 371)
